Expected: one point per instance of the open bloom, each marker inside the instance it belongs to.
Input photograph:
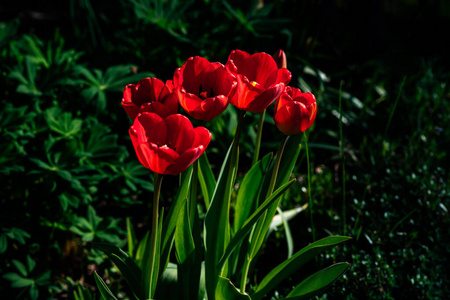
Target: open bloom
(259, 80)
(169, 145)
(295, 111)
(150, 95)
(203, 88)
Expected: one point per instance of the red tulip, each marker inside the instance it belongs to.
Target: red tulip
(280, 59)
(203, 88)
(169, 145)
(295, 111)
(259, 80)
(149, 95)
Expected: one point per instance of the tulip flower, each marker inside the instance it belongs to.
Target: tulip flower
(280, 59)
(295, 111)
(259, 80)
(203, 88)
(149, 95)
(169, 145)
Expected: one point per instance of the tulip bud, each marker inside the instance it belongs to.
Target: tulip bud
(280, 59)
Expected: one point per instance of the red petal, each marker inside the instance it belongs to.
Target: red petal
(289, 118)
(163, 158)
(224, 81)
(279, 76)
(191, 73)
(184, 161)
(150, 127)
(131, 109)
(202, 137)
(180, 133)
(259, 67)
(261, 102)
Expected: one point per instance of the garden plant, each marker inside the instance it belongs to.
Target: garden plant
(229, 169)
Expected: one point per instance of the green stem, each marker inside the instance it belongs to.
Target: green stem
(258, 137)
(276, 167)
(260, 224)
(309, 188)
(154, 235)
(341, 137)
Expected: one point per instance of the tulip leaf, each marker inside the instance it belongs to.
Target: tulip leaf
(206, 179)
(318, 282)
(139, 256)
(289, 158)
(216, 225)
(184, 242)
(249, 192)
(104, 290)
(227, 290)
(124, 263)
(246, 228)
(291, 265)
(170, 222)
(131, 237)
(150, 275)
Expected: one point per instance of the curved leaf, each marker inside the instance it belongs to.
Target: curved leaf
(124, 263)
(292, 264)
(318, 282)
(227, 291)
(104, 290)
(250, 222)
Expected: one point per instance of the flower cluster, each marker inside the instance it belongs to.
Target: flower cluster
(166, 141)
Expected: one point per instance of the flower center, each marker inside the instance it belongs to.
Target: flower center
(204, 94)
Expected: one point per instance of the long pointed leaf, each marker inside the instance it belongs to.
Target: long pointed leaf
(292, 264)
(184, 242)
(104, 289)
(124, 263)
(318, 282)
(249, 192)
(251, 221)
(170, 222)
(206, 179)
(227, 291)
(216, 226)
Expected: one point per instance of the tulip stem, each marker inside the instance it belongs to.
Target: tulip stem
(313, 230)
(154, 236)
(276, 166)
(258, 137)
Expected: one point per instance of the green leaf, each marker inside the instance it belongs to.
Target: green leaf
(17, 280)
(216, 225)
(20, 267)
(139, 256)
(292, 264)
(131, 237)
(184, 241)
(3, 243)
(289, 159)
(34, 292)
(104, 290)
(227, 291)
(248, 225)
(31, 264)
(249, 191)
(170, 221)
(206, 179)
(124, 263)
(318, 282)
